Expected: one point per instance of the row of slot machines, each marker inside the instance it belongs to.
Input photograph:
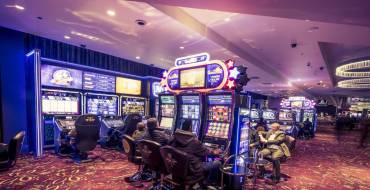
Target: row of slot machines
(213, 116)
(61, 108)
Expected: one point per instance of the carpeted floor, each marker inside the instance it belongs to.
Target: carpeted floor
(321, 163)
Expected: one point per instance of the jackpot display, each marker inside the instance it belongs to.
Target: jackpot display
(101, 104)
(128, 86)
(132, 105)
(54, 76)
(99, 82)
(219, 116)
(192, 78)
(57, 102)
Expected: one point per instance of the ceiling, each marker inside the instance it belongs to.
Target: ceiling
(257, 34)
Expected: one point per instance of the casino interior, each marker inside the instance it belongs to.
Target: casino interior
(160, 94)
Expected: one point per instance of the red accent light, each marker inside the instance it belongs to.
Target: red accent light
(230, 63)
(230, 84)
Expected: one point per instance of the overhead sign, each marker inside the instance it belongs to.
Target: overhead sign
(197, 58)
(296, 98)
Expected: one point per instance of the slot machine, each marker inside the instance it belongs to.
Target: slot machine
(190, 107)
(106, 107)
(60, 110)
(219, 120)
(287, 122)
(311, 115)
(269, 116)
(167, 111)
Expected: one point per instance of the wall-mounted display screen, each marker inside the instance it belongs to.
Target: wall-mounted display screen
(166, 122)
(54, 102)
(192, 78)
(99, 82)
(128, 86)
(101, 105)
(55, 76)
(220, 99)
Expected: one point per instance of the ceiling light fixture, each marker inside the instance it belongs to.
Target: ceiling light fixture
(345, 70)
(67, 37)
(111, 13)
(355, 83)
(85, 35)
(137, 57)
(19, 7)
(227, 19)
(182, 47)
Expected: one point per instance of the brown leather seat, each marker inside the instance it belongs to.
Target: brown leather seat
(10, 152)
(177, 164)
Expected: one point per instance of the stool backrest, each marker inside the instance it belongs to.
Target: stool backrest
(150, 154)
(87, 129)
(129, 147)
(15, 146)
(176, 162)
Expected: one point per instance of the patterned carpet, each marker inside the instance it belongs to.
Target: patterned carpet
(321, 163)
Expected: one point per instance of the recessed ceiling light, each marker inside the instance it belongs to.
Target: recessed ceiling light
(182, 47)
(298, 79)
(111, 13)
(67, 37)
(307, 20)
(227, 19)
(137, 57)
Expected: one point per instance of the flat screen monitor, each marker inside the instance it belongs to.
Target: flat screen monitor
(219, 99)
(193, 78)
(101, 105)
(254, 114)
(128, 86)
(296, 104)
(54, 76)
(190, 111)
(285, 116)
(167, 99)
(166, 122)
(60, 102)
(133, 105)
(99, 82)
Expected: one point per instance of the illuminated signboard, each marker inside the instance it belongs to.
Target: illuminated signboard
(55, 76)
(202, 77)
(156, 88)
(198, 58)
(128, 86)
(99, 82)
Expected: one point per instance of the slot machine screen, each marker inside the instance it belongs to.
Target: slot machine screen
(296, 104)
(101, 105)
(285, 116)
(167, 110)
(60, 103)
(219, 130)
(269, 115)
(254, 114)
(308, 115)
(133, 105)
(219, 113)
(166, 122)
(190, 111)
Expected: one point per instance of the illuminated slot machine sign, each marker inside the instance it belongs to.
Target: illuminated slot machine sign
(101, 104)
(219, 116)
(199, 74)
(269, 115)
(286, 115)
(297, 102)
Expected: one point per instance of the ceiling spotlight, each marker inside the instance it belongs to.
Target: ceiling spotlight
(67, 37)
(137, 57)
(182, 47)
(227, 19)
(19, 7)
(299, 79)
(111, 13)
(140, 22)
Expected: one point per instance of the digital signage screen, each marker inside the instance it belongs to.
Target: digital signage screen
(55, 76)
(128, 86)
(99, 82)
(101, 105)
(192, 78)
